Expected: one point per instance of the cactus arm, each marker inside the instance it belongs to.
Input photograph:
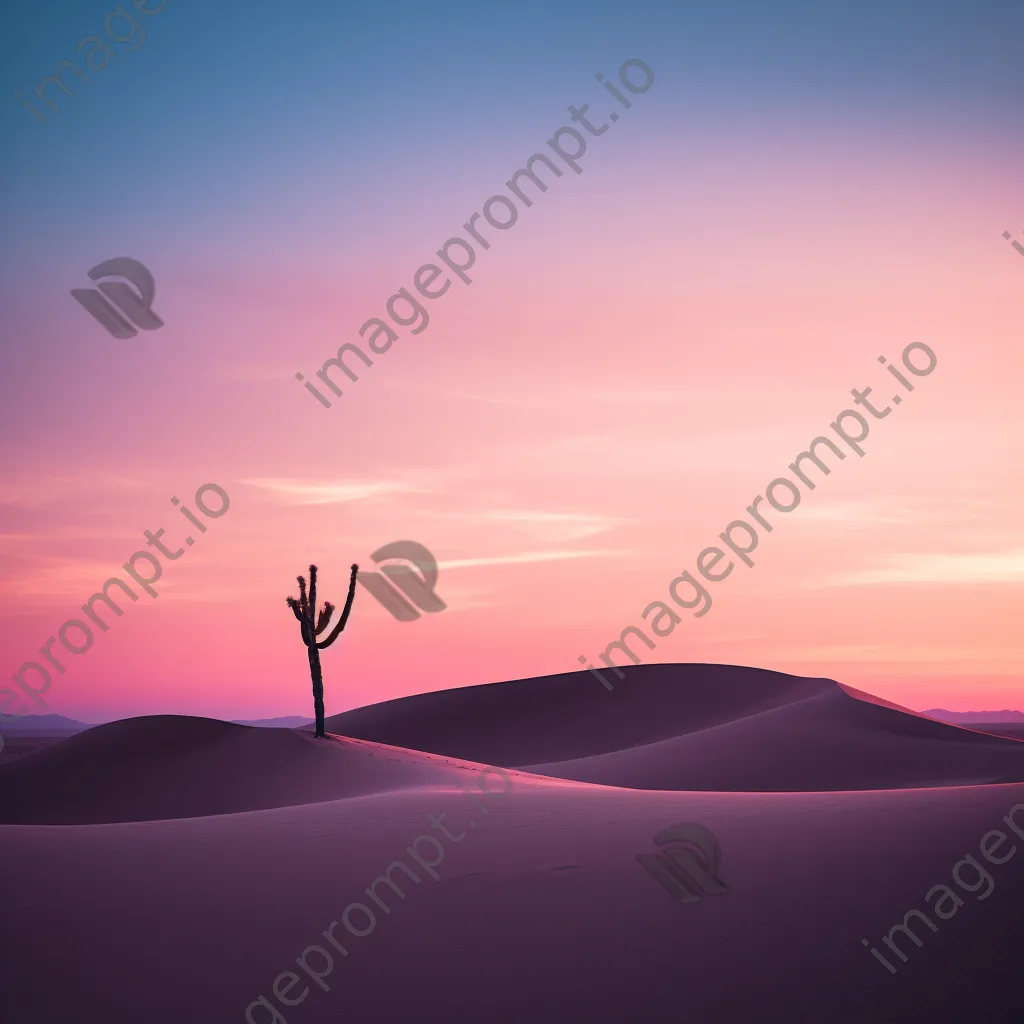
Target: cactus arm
(304, 623)
(336, 632)
(311, 606)
(325, 617)
(303, 602)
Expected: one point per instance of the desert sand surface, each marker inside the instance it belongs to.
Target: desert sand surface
(540, 911)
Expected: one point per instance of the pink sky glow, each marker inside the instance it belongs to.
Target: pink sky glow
(632, 364)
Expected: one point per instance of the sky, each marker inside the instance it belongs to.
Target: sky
(802, 189)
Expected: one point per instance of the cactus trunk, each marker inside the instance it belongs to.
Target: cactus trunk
(318, 688)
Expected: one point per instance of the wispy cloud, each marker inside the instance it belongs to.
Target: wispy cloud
(38, 491)
(559, 397)
(329, 492)
(624, 455)
(873, 513)
(187, 593)
(890, 654)
(57, 577)
(555, 526)
(527, 557)
(834, 652)
(995, 567)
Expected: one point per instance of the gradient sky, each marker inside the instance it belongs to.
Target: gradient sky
(805, 187)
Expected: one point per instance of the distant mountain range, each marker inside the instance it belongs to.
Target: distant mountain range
(961, 717)
(42, 725)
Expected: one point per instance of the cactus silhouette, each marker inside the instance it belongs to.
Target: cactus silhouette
(312, 626)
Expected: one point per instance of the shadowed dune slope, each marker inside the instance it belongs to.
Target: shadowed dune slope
(692, 727)
(172, 766)
(831, 741)
(570, 715)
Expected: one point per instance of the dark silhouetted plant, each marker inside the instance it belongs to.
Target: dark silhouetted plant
(312, 626)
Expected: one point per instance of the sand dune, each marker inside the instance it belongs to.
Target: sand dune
(668, 727)
(693, 727)
(566, 716)
(827, 742)
(171, 766)
(256, 840)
